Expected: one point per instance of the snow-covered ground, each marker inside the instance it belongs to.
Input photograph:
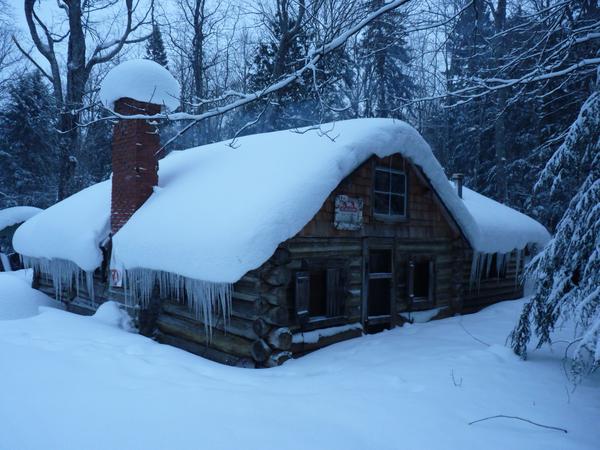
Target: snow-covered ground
(72, 382)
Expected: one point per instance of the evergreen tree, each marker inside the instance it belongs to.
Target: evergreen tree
(567, 272)
(287, 105)
(28, 153)
(386, 58)
(155, 47)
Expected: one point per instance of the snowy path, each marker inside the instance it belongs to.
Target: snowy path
(71, 382)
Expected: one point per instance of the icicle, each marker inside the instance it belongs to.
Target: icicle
(474, 265)
(519, 256)
(488, 263)
(205, 299)
(480, 268)
(62, 274)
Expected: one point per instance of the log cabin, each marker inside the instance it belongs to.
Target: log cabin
(254, 251)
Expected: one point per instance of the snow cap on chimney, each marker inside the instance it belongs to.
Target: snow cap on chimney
(143, 80)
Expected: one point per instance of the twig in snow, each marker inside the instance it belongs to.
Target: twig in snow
(469, 333)
(456, 383)
(502, 416)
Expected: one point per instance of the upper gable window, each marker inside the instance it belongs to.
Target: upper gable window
(389, 195)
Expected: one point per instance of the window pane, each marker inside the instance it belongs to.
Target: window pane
(398, 183)
(397, 206)
(381, 205)
(380, 261)
(382, 181)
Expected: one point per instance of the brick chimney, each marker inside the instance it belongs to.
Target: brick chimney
(134, 160)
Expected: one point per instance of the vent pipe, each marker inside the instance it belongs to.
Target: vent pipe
(458, 183)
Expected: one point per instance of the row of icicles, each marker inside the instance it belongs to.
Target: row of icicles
(207, 300)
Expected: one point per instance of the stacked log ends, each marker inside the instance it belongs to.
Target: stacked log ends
(260, 351)
(279, 315)
(260, 327)
(280, 338)
(274, 296)
(277, 276)
(277, 359)
(281, 257)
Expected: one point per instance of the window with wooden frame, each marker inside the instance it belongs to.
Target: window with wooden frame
(389, 193)
(319, 293)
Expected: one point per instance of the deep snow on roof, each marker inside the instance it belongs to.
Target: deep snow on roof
(510, 228)
(16, 214)
(220, 211)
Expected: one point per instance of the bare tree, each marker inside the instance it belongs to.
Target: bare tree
(69, 82)
(8, 57)
(231, 100)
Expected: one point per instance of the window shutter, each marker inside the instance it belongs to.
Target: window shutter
(410, 282)
(302, 293)
(334, 293)
(431, 282)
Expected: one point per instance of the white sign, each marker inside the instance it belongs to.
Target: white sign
(116, 278)
(348, 213)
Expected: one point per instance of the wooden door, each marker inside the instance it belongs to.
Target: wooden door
(379, 276)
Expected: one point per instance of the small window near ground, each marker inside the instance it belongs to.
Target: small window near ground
(389, 193)
(319, 293)
(421, 281)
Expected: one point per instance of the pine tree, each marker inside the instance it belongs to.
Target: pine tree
(386, 58)
(155, 47)
(287, 104)
(567, 272)
(29, 150)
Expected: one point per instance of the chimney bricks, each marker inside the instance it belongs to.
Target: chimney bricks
(134, 161)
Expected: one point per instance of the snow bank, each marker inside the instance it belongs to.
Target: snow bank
(16, 214)
(118, 390)
(220, 211)
(143, 80)
(17, 299)
(110, 313)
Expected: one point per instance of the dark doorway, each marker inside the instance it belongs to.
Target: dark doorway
(379, 299)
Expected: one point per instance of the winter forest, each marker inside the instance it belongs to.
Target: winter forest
(506, 92)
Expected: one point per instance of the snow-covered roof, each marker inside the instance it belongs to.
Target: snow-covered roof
(16, 214)
(220, 211)
(142, 80)
(501, 228)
